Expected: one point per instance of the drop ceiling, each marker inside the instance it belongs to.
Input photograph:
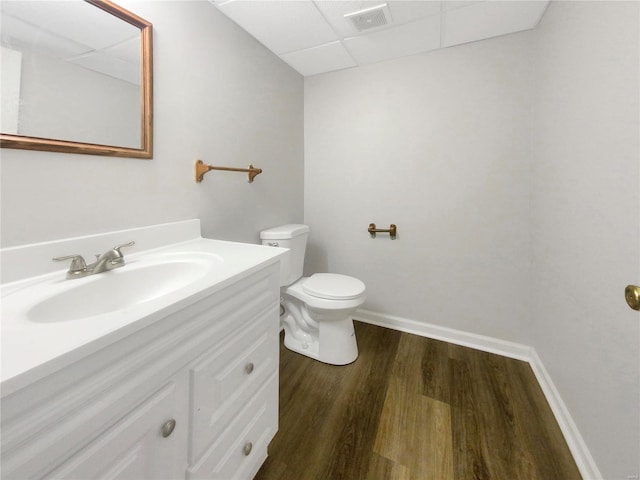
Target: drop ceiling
(317, 36)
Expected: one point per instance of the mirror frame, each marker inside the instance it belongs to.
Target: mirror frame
(66, 146)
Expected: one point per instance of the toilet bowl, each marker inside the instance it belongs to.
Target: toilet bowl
(317, 309)
(317, 319)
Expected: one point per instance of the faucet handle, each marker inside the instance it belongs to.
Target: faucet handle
(77, 262)
(130, 244)
(120, 258)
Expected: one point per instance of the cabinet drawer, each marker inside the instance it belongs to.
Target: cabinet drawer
(238, 453)
(227, 376)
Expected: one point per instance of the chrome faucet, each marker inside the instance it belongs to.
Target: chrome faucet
(107, 261)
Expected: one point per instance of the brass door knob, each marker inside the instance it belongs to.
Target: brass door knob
(632, 295)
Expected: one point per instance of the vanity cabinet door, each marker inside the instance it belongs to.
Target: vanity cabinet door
(147, 443)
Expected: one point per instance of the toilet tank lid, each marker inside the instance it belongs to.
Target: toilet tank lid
(284, 231)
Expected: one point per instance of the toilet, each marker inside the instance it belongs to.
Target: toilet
(317, 309)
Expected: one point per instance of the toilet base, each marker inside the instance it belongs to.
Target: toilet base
(333, 343)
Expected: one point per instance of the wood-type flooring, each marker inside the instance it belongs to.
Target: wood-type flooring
(413, 408)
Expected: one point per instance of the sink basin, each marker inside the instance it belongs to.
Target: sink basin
(138, 282)
(49, 322)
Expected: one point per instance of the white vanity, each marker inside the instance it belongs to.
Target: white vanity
(167, 378)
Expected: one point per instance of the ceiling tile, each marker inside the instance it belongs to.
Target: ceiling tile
(282, 26)
(490, 19)
(325, 58)
(402, 11)
(408, 39)
(451, 4)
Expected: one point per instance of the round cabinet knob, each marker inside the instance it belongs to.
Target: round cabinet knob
(168, 427)
(248, 368)
(247, 448)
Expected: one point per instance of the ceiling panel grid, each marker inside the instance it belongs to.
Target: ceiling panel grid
(317, 36)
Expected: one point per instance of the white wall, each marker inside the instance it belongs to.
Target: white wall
(439, 145)
(586, 225)
(10, 67)
(511, 168)
(219, 96)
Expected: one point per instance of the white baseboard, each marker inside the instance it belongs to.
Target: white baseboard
(585, 462)
(466, 339)
(577, 446)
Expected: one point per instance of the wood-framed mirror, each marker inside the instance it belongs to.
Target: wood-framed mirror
(77, 77)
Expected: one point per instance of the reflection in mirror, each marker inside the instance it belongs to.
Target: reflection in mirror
(75, 78)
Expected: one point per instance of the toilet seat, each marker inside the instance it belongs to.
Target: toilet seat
(297, 290)
(333, 286)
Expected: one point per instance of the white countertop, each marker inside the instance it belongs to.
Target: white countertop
(32, 350)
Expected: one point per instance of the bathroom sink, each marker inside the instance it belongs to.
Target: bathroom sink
(49, 321)
(138, 282)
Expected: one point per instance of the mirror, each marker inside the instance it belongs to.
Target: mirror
(76, 78)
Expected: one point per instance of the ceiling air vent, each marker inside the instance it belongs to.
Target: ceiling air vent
(369, 18)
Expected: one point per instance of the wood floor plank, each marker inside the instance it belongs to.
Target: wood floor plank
(440, 439)
(355, 428)
(435, 370)
(431, 433)
(412, 408)
(307, 418)
(503, 448)
(539, 428)
(469, 462)
(381, 467)
(341, 406)
(415, 430)
(417, 436)
(394, 419)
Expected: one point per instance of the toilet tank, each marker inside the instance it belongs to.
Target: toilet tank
(294, 237)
